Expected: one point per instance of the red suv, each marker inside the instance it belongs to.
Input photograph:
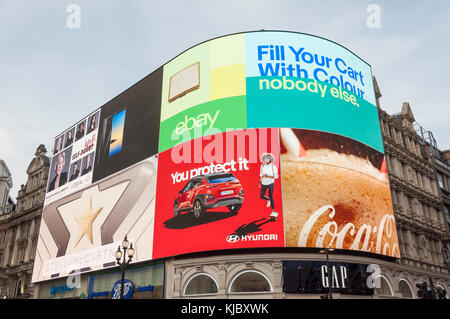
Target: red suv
(209, 191)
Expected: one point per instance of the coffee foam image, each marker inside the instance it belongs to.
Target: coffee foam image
(336, 200)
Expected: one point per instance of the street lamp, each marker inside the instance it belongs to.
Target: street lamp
(124, 263)
(330, 273)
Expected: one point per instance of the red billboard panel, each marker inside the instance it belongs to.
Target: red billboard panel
(216, 193)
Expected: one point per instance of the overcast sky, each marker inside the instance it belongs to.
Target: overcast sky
(51, 76)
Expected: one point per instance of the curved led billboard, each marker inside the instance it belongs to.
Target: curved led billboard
(252, 140)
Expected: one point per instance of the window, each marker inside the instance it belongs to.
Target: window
(404, 139)
(426, 183)
(36, 225)
(411, 204)
(188, 186)
(434, 187)
(22, 254)
(440, 180)
(250, 281)
(222, 178)
(419, 179)
(417, 148)
(410, 174)
(200, 284)
(33, 252)
(426, 212)
(9, 262)
(399, 167)
(383, 287)
(399, 138)
(26, 232)
(447, 213)
(418, 206)
(5, 197)
(19, 288)
(405, 171)
(405, 289)
(401, 200)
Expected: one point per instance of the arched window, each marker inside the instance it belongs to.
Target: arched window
(384, 288)
(405, 289)
(200, 284)
(250, 281)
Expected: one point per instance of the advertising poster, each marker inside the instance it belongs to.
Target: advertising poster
(209, 196)
(102, 185)
(71, 167)
(335, 194)
(335, 185)
(204, 91)
(129, 127)
(301, 81)
(81, 232)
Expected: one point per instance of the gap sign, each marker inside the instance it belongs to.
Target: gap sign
(312, 277)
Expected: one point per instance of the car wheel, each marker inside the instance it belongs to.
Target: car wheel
(198, 209)
(234, 208)
(176, 212)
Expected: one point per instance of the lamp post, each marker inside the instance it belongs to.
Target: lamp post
(127, 251)
(330, 273)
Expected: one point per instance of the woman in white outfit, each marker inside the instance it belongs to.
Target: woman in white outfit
(268, 175)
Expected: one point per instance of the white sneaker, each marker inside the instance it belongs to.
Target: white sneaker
(268, 203)
(274, 215)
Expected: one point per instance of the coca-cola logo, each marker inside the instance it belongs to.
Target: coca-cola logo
(371, 238)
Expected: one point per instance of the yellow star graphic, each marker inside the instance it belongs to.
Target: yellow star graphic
(85, 221)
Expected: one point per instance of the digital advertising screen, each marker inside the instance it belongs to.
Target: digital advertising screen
(251, 140)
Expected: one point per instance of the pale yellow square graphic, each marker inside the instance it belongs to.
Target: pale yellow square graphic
(227, 81)
(227, 50)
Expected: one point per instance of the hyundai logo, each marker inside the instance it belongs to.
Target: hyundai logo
(233, 238)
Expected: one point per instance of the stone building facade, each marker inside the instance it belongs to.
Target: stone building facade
(441, 161)
(421, 224)
(19, 231)
(6, 202)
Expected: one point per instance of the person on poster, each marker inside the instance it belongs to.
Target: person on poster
(80, 132)
(92, 124)
(268, 175)
(58, 145)
(61, 176)
(75, 172)
(88, 166)
(69, 139)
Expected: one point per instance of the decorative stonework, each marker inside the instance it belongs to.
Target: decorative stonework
(22, 228)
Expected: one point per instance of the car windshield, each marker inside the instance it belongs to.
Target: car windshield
(223, 178)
